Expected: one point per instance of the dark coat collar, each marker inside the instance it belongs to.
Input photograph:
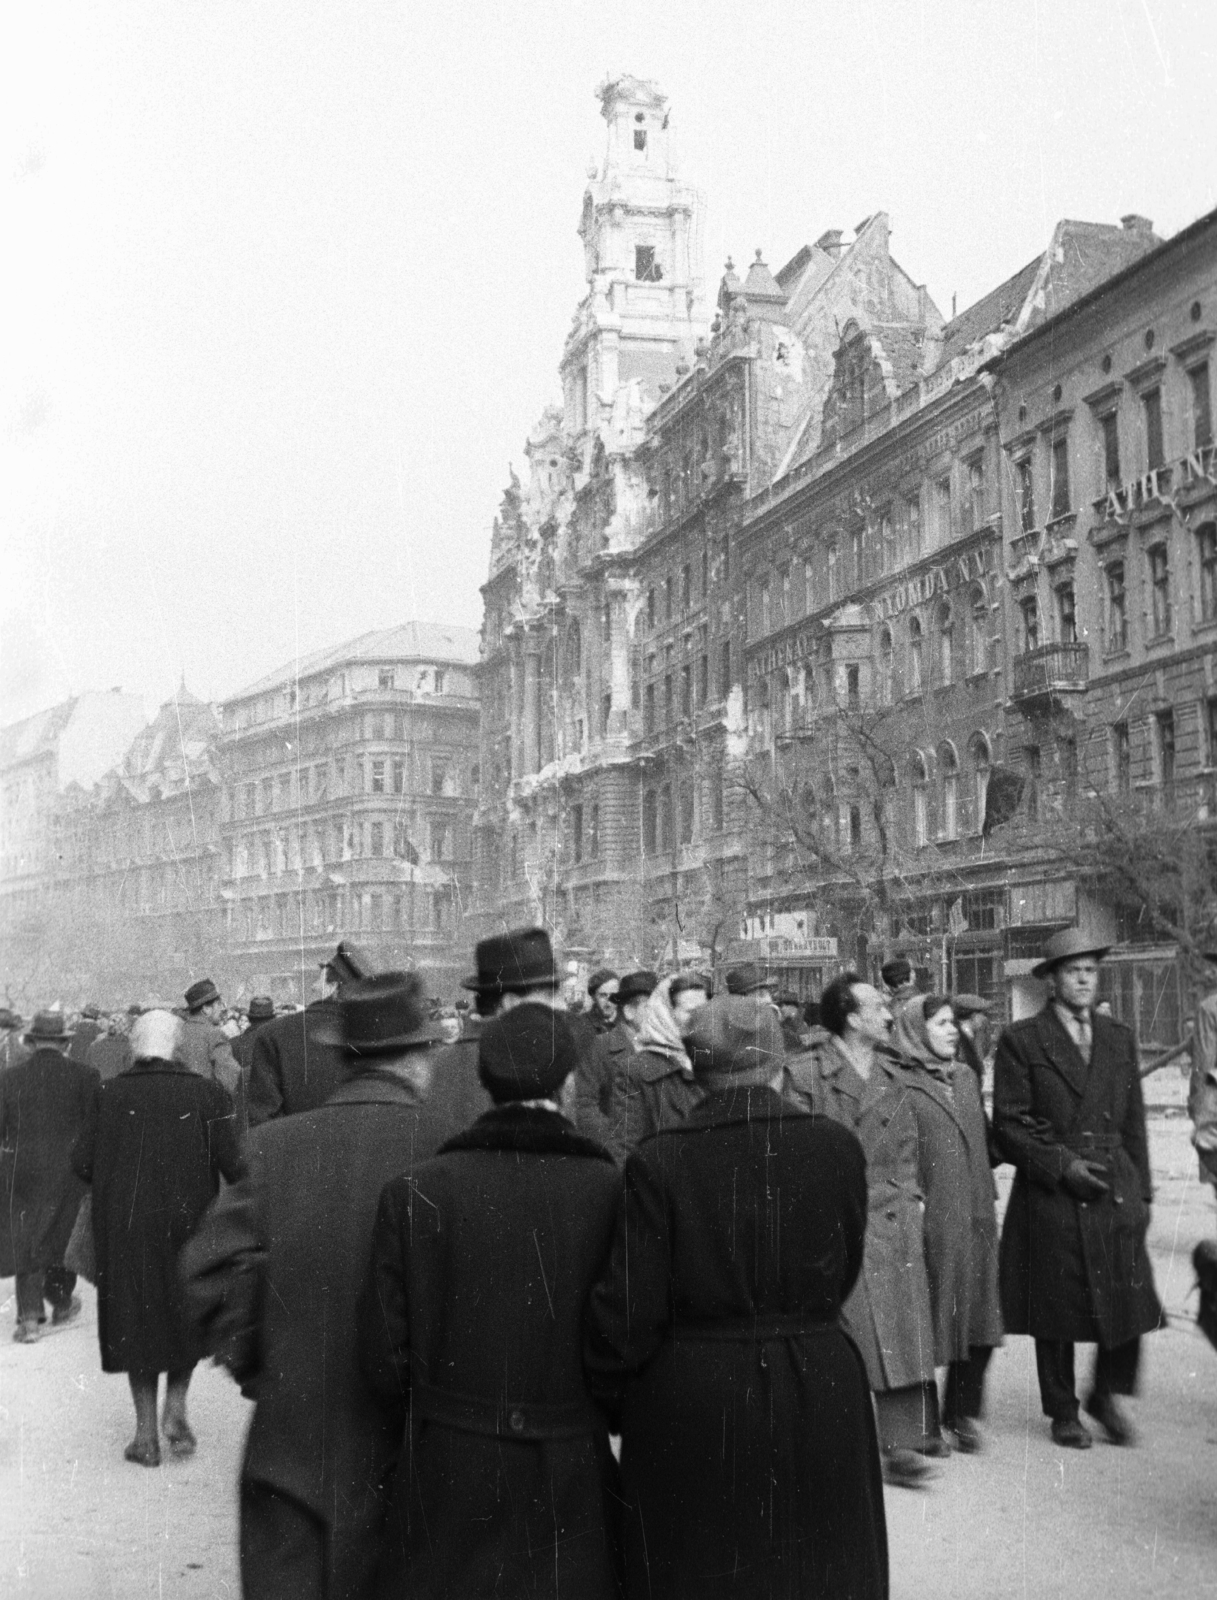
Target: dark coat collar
(746, 1104)
(376, 1088)
(1060, 1049)
(527, 1130)
(151, 1065)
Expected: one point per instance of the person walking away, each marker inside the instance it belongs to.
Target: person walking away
(600, 1085)
(154, 1151)
(90, 1025)
(856, 1079)
(272, 1278)
(660, 1087)
(960, 1222)
(261, 1011)
(749, 1458)
(293, 1068)
(45, 1101)
(206, 1048)
(1068, 1114)
(470, 1336)
(110, 1053)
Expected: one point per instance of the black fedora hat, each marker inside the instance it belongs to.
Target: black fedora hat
(261, 1008)
(347, 963)
(201, 994)
(521, 959)
(381, 1016)
(48, 1027)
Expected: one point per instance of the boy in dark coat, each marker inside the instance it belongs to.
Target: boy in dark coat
(749, 1457)
(274, 1274)
(45, 1102)
(470, 1328)
(1068, 1113)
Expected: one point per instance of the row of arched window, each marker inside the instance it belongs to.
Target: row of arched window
(948, 798)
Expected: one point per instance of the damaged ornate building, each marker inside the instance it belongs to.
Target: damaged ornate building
(757, 671)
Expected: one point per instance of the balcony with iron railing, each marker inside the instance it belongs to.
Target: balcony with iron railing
(1050, 671)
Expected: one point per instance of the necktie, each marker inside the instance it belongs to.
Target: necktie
(1082, 1034)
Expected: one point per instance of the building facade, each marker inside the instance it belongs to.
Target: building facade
(349, 784)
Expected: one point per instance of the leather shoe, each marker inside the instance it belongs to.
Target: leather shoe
(26, 1331)
(1107, 1413)
(1070, 1432)
(969, 1440)
(906, 1469)
(936, 1446)
(143, 1453)
(67, 1313)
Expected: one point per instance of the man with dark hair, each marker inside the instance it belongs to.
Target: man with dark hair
(602, 991)
(790, 1013)
(273, 1277)
(600, 1092)
(856, 1079)
(1068, 1114)
(292, 1067)
(898, 979)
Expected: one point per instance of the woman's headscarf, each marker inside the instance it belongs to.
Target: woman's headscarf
(657, 1029)
(910, 1035)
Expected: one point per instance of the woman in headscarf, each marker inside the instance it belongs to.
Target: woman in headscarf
(960, 1226)
(660, 1087)
(749, 1457)
(160, 1138)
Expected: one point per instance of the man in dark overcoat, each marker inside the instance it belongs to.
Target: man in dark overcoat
(294, 1068)
(602, 1080)
(471, 1334)
(261, 1011)
(856, 1079)
(1068, 1114)
(91, 1025)
(205, 1047)
(749, 1457)
(273, 1276)
(45, 1102)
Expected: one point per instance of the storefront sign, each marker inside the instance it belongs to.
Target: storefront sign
(968, 568)
(1198, 466)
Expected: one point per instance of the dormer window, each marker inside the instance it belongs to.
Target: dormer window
(646, 268)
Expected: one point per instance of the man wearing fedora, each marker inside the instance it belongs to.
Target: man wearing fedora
(512, 968)
(1068, 1114)
(205, 1046)
(273, 1276)
(292, 1068)
(45, 1102)
(261, 1011)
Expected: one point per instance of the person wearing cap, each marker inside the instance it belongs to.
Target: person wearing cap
(602, 992)
(749, 1458)
(292, 1068)
(856, 1079)
(1068, 1115)
(602, 1082)
(470, 1328)
(261, 1010)
(206, 1048)
(273, 1276)
(1202, 1081)
(750, 979)
(154, 1150)
(45, 1101)
(660, 1089)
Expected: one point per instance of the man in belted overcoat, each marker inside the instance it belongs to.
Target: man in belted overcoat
(1068, 1113)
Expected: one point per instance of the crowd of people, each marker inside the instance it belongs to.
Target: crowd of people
(643, 1297)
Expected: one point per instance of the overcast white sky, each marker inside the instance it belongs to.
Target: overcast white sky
(287, 282)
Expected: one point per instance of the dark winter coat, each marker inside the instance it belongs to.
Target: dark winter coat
(1073, 1269)
(888, 1312)
(273, 1277)
(83, 1035)
(658, 1093)
(154, 1152)
(749, 1459)
(470, 1333)
(600, 1083)
(960, 1222)
(110, 1054)
(293, 1068)
(45, 1102)
(456, 1091)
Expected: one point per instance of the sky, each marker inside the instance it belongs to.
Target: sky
(285, 283)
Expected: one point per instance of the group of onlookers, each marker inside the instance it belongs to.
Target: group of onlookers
(746, 1237)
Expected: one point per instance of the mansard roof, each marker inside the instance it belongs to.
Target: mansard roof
(409, 641)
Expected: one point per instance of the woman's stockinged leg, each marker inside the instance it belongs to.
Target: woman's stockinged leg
(178, 1433)
(144, 1449)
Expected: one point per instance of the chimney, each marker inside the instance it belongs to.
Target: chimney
(1133, 223)
(830, 242)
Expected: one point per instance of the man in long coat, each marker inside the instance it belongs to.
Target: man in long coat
(274, 1274)
(856, 1080)
(294, 1066)
(1068, 1113)
(470, 1332)
(205, 1047)
(748, 1452)
(602, 1078)
(45, 1102)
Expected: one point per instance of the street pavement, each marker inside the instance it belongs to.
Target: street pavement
(1022, 1519)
